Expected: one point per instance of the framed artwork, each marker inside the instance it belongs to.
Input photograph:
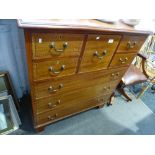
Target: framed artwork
(9, 119)
(6, 122)
(6, 87)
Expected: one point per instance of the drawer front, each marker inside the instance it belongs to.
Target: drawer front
(74, 83)
(54, 68)
(70, 109)
(131, 44)
(52, 45)
(60, 101)
(98, 52)
(122, 60)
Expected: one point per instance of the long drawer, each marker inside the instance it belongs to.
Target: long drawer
(67, 85)
(67, 110)
(60, 101)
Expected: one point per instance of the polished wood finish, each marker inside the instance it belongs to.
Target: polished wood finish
(77, 82)
(98, 52)
(56, 101)
(67, 76)
(75, 107)
(53, 68)
(122, 59)
(131, 44)
(42, 45)
(81, 25)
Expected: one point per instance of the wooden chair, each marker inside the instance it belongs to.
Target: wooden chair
(133, 76)
(149, 50)
(141, 71)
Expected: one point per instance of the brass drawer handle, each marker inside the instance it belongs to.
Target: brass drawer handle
(50, 118)
(50, 105)
(52, 90)
(123, 61)
(115, 75)
(131, 45)
(100, 56)
(58, 51)
(51, 69)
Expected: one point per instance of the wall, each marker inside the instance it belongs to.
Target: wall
(13, 55)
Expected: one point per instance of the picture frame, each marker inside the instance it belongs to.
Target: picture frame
(6, 122)
(6, 87)
(9, 119)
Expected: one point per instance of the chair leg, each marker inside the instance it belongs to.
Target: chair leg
(143, 91)
(122, 92)
(111, 100)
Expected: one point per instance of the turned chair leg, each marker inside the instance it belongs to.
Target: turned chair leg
(144, 89)
(122, 92)
(111, 100)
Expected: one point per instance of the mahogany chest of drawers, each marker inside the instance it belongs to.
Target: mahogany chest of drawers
(75, 67)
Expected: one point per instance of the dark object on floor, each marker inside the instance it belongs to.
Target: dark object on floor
(133, 76)
(153, 87)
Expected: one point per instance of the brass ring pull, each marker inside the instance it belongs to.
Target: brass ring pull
(115, 75)
(50, 118)
(50, 105)
(51, 69)
(131, 45)
(123, 61)
(58, 51)
(100, 56)
(52, 90)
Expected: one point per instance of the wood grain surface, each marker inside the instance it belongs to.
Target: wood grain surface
(75, 67)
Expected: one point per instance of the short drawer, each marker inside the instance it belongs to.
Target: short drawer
(53, 45)
(74, 83)
(131, 44)
(122, 59)
(59, 101)
(70, 109)
(54, 68)
(98, 52)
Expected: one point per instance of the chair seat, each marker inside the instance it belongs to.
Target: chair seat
(133, 76)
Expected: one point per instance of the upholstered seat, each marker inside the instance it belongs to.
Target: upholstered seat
(133, 76)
